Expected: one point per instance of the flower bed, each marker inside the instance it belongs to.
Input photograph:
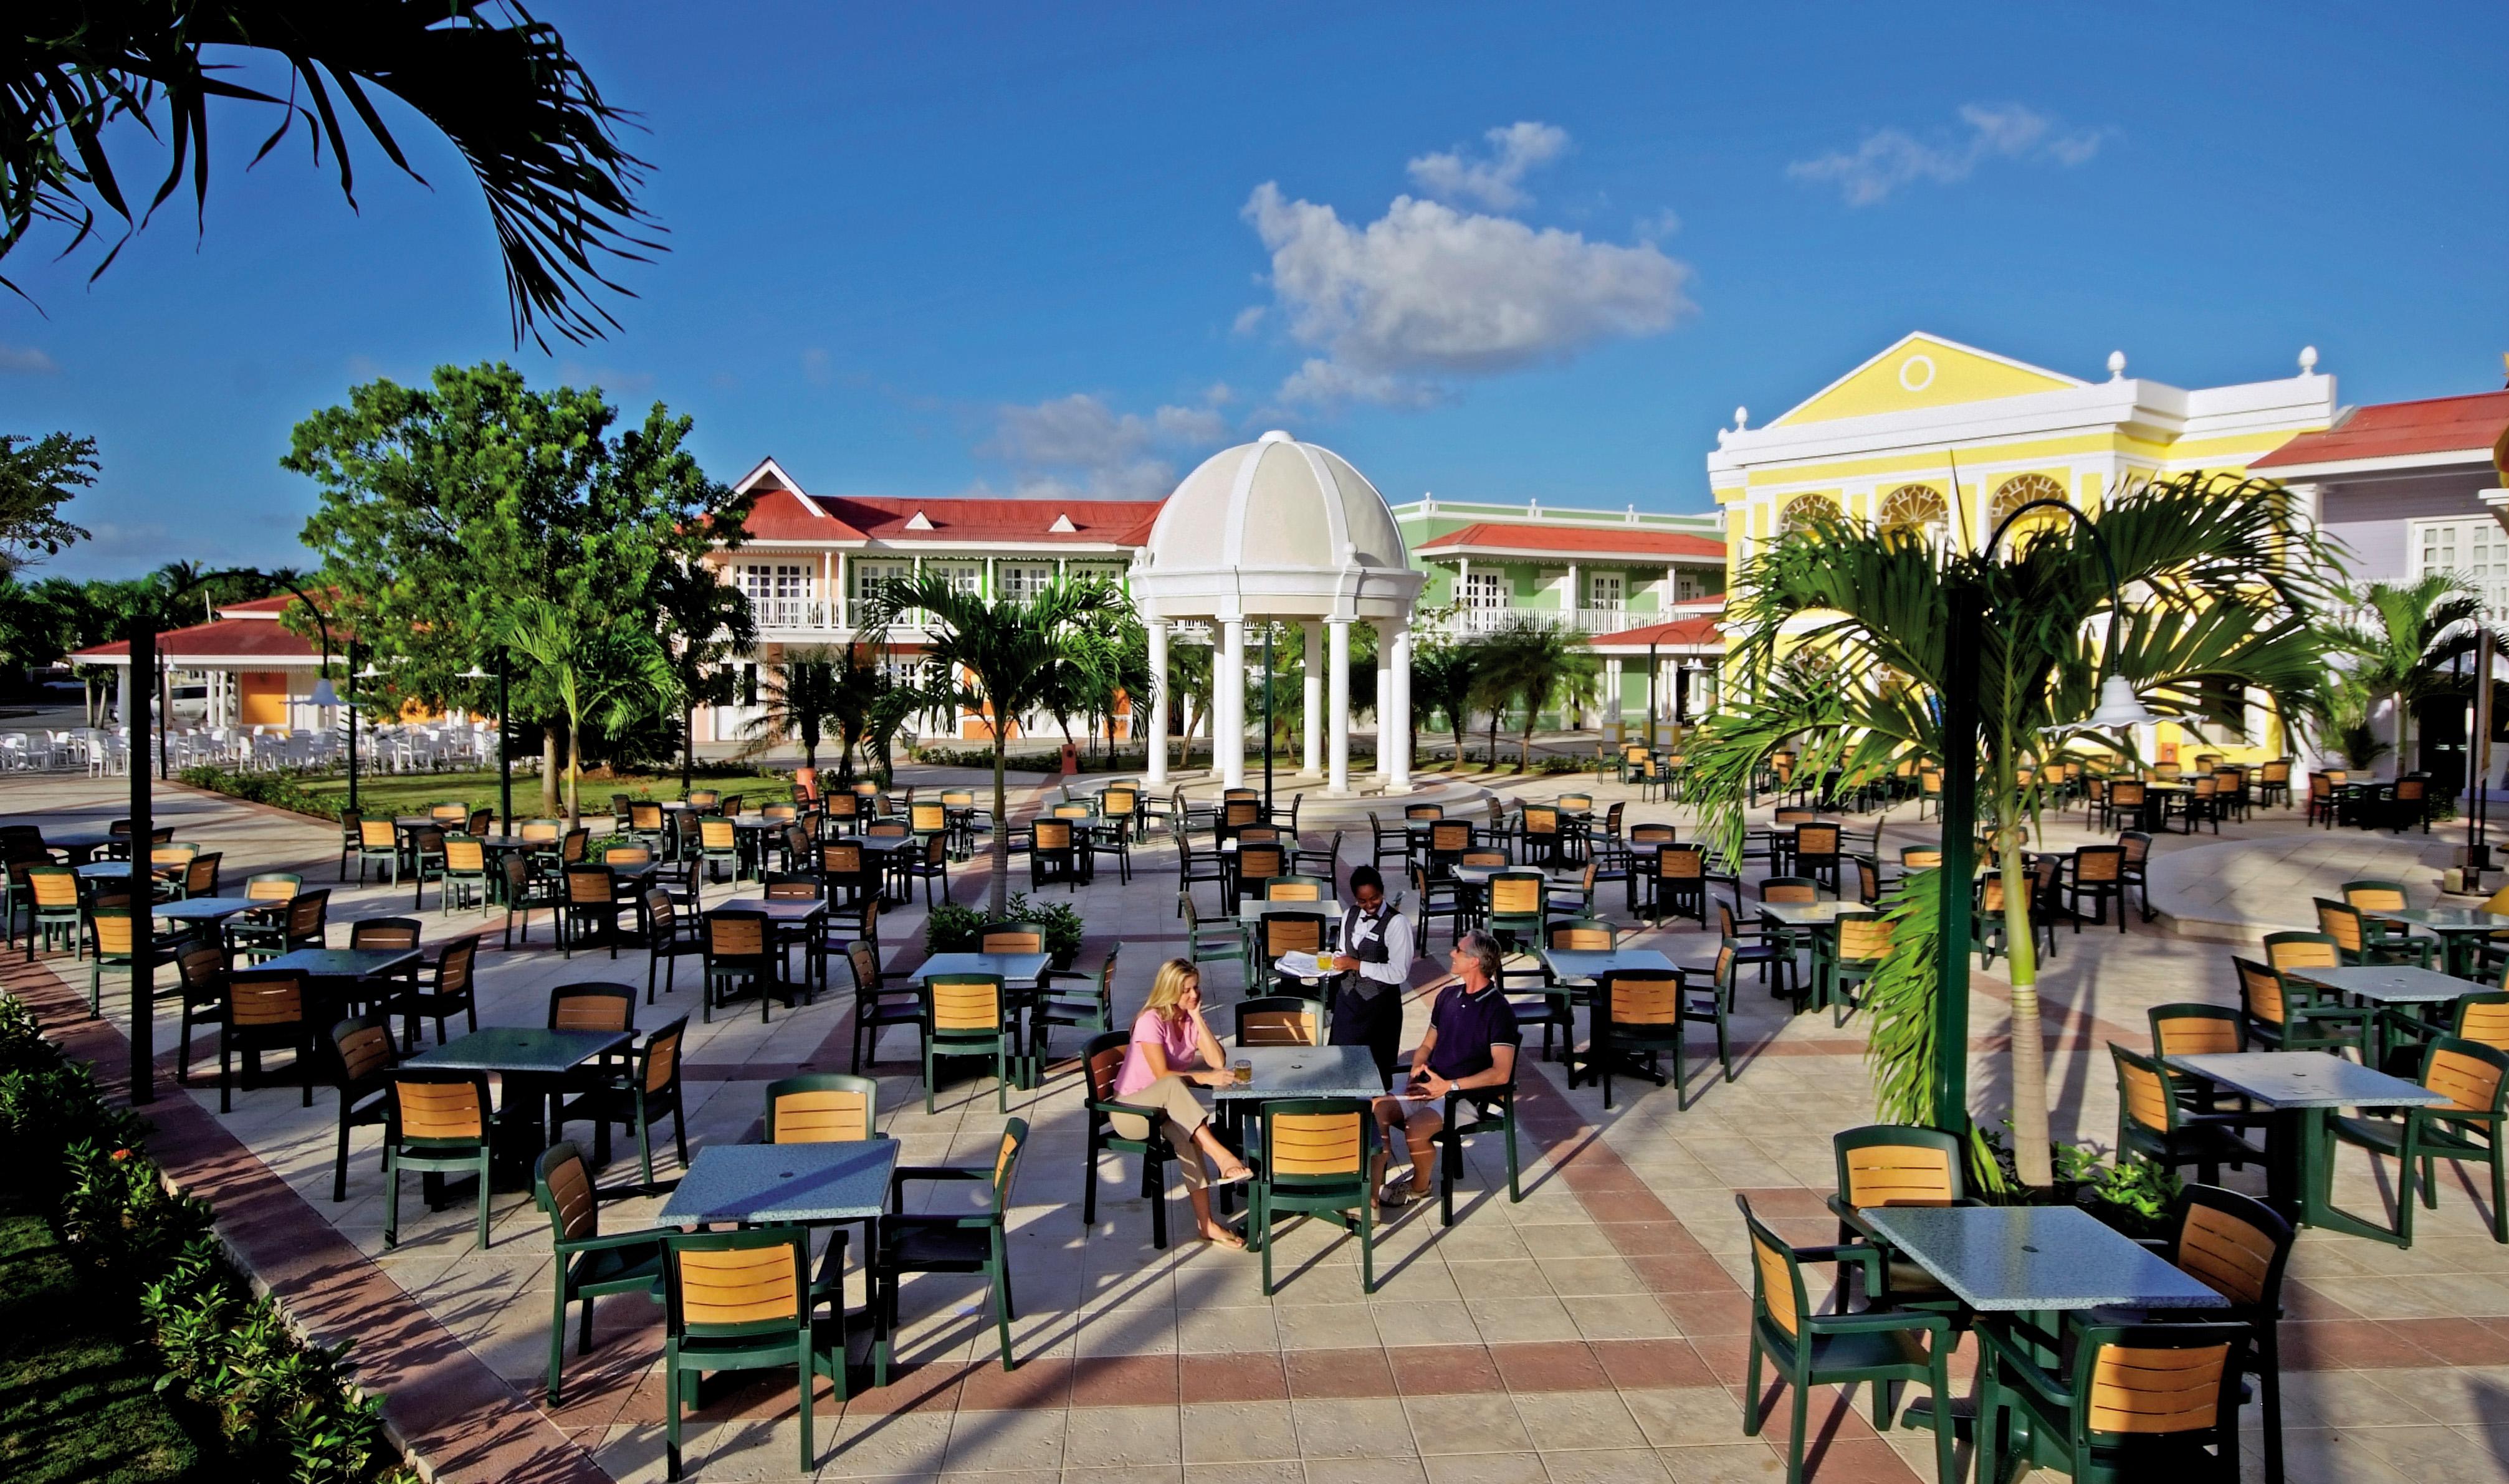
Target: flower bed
(281, 1409)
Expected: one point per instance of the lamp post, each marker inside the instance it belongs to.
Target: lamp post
(1267, 719)
(505, 760)
(2118, 707)
(143, 881)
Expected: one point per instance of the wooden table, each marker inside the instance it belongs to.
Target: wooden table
(2302, 1089)
(528, 1062)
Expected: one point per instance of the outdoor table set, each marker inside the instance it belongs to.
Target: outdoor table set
(528, 1063)
(2302, 1089)
(2460, 930)
(1023, 979)
(2401, 993)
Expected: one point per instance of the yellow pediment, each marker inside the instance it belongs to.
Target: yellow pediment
(1923, 371)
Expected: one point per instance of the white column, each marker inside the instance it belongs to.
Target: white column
(1157, 772)
(1612, 711)
(1312, 699)
(1384, 694)
(1572, 600)
(841, 604)
(1228, 711)
(1398, 777)
(122, 701)
(1337, 681)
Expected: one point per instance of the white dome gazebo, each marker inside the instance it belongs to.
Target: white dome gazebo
(1280, 530)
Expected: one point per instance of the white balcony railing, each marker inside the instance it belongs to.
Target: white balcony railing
(1589, 620)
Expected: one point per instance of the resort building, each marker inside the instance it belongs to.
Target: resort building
(1882, 443)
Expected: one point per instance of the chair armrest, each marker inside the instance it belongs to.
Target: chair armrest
(904, 1173)
(570, 1245)
(2019, 1366)
(1152, 1115)
(1869, 1258)
(1932, 1322)
(896, 1219)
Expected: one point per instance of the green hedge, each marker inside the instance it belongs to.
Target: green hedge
(285, 1410)
(278, 788)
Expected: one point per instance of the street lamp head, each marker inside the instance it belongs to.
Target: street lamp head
(370, 672)
(323, 694)
(475, 673)
(2120, 706)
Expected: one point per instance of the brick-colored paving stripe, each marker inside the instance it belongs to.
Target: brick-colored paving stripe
(445, 1404)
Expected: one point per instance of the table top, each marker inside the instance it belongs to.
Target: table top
(845, 1181)
(2391, 984)
(632, 870)
(206, 909)
(1253, 911)
(1013, 968)
(345, 963)
(421, 822)
(2446, 919)
(757, 822)
(781, 911)
(111, 870)
(1303, 1072)
(1809, 913)
(1595, 963)
(886, 842)
(2305, 1080)
(509, 843)
(523, 1048)
(2032, 1257)
(81, 841)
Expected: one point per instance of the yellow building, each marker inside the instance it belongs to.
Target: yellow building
(1880, 444)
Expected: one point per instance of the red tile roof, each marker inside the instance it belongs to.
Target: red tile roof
(2441, 424)
(226, 639)
(781, 515)
(1680, 631)
(1571, 540)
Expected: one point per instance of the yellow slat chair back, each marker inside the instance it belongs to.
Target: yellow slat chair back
(966, 1004)
(819, 1109)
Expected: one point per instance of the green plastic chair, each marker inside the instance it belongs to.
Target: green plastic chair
(1634, 1011)
(1101, 1062)
(977, 1242)
(2155, 1122)
(2168, 1391)
(1318, 1155)
(588, 1265)
(2475, 1079)
(1882, 1346)
(1493, 1111)
(117, 947)
(1220, 943)
(967, 1015)
(822, 1107)
(440, 1122)
(53, 901)
(1887, 1164)
(714, 1285)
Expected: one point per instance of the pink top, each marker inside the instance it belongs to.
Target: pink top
(1177, 1038)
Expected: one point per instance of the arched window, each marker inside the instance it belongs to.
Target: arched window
(1917, 507)
(2018, 491)
(1805, 511)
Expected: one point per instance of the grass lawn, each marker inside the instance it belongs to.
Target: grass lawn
(413, 793)
(76, 1403)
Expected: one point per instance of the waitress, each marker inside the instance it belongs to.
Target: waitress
(1376, 964)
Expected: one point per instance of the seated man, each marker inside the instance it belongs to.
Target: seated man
(1471, 1042)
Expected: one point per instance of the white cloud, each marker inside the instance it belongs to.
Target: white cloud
(27, 361)
(1248, 319)
(1077, 447)
(1427, 290)
(1515, 149)
(1892, 157)
(1655, 226)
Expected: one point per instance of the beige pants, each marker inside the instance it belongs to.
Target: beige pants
(1180, 1114)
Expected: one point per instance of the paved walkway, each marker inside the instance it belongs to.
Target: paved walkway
(1592, 1332)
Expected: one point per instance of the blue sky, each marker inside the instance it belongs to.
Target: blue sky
(1493, 252)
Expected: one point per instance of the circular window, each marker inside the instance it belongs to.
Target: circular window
(1916, 373)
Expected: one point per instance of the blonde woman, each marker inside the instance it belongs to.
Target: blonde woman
(1173, 1049)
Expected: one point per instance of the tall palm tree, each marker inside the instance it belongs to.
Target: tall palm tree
(798, 699)
(704, 622)
(1444, 677)
(2405, 640)
(1005, 660)
(2224, 585)
(1188, 682)
(609, 675)
(501, 86)
(1538, 668)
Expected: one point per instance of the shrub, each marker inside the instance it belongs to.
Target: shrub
(280, 790)
(285, 1409)
(1062, 923)
(953, 928)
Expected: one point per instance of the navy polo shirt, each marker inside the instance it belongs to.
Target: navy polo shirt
(1468, 1026)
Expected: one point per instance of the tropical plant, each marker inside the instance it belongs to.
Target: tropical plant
(1004, 659)
(1445, 675)
(609, 676)
(2345, 724)
(2224, 584)
(1538, 668)
(499, 86)
(704, 622)
(1188, 682)
(2406, 642)
(37, 477)
(797, 699)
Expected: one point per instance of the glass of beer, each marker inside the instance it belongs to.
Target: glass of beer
(1244, 1070)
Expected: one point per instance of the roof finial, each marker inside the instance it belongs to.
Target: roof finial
(1276, 435)
(2116, 365)
(2308, 360)
(1741, 418)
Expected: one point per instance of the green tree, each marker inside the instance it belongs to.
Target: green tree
(37, 477)
(2406, 642)
(445, 508)
(705, 622)
(1188, 682)
(501, 88)
(2224, 584)
(1445, 676)
(1539, 668)
(798, 699)
(1004, 660)
(609, 675)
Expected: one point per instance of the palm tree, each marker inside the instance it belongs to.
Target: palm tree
(501, 86)
(2407, 639)
(797, 699)
(1188, 682)
(1444, 677)
(704, 621)
(1005, 660)
(2224, 583)
(1539, 668)
(609, 675)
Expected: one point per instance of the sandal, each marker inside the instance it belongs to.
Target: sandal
(1225, 1240)
(1238, 1176)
